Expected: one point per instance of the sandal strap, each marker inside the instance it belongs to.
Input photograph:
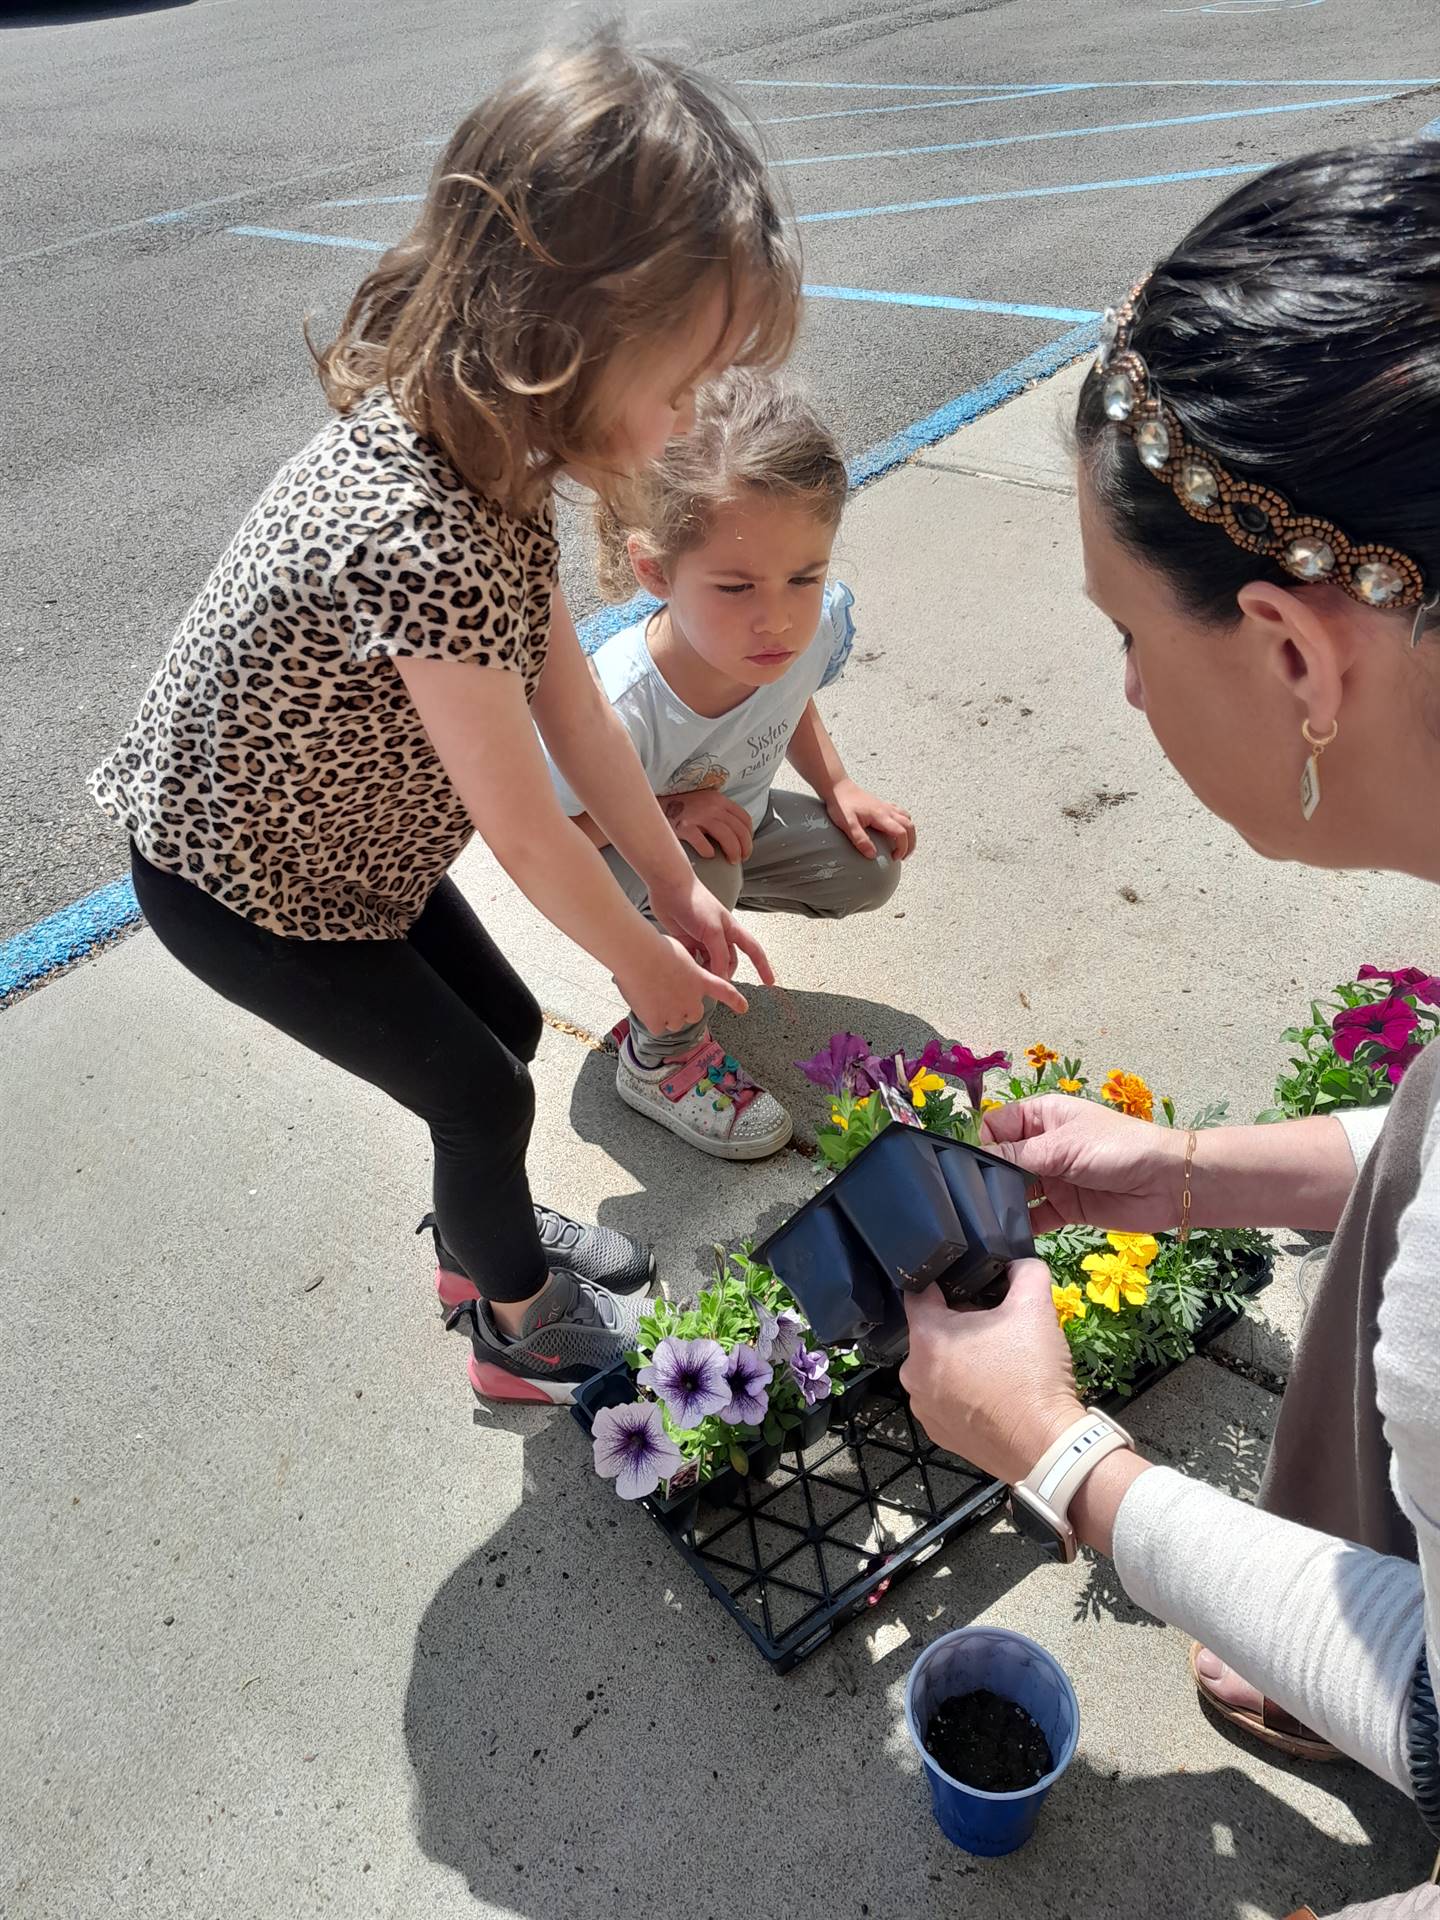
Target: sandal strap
(1275, 1719)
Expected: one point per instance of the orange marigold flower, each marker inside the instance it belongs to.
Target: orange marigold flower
(1070, 1086)
(1040, 1056)
(1129, 1093)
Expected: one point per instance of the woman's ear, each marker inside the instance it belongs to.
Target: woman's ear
(647, 568)
(1312, 639)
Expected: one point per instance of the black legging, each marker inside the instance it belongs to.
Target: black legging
(440, 1021)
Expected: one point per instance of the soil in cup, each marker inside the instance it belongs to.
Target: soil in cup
(988, 1742)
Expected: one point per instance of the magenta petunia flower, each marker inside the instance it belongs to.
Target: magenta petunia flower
(833, 1067)
(1402, 1059)
(633, 1449)
(961, 1064)
(1387, 1025)
(1424, 986)
(748, 1377)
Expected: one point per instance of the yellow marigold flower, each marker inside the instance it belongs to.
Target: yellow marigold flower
(1140, 1249)
(1068, 1304)
(837, 1119)
(1114, 1280)
(1040, 1056)
(988, 1106)
(1129, 1093)
(1071, 1086)
(923, 1084)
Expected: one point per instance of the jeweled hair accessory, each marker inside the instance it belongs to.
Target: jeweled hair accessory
(1256, 517)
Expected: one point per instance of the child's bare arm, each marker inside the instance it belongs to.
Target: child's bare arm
(856, 812)
(480, 727)
(597, 836)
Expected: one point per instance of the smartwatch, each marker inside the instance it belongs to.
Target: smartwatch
(1040, 1503)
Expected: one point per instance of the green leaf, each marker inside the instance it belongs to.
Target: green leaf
(772, 1430)
(739, 1460)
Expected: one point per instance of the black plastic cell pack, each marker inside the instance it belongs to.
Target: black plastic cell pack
(913, 1209)
(801, 1545)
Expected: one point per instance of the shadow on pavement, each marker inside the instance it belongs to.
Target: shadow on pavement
(84, 12)
(589, 1734)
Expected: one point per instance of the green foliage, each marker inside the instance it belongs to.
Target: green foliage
(1110, 1349)
(1319, 1081)
(728, 1311)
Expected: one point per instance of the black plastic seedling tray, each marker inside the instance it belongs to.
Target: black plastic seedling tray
(820, 1541)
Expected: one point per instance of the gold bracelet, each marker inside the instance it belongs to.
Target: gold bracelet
(1185, 1197)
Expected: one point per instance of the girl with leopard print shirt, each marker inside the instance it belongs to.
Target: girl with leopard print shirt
(358, 686)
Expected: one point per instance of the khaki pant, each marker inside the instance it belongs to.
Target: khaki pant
(800, 863)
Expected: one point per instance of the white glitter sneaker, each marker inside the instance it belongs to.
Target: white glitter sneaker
(708, 1099)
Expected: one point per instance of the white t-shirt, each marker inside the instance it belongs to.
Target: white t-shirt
(736, 753)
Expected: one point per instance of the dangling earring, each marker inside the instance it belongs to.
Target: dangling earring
(1310, 778)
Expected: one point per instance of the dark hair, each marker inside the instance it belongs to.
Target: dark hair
(1295, 332)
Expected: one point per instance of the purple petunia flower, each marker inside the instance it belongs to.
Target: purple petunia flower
(881, 1070)
(748, 1376)
(832, 1068)
(781, 1334)
(1424, 986)
(633, 1449)
(811, 1374)
(1387, 1024)
(689, 1376)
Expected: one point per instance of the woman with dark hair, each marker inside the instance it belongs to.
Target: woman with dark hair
(1259, 492)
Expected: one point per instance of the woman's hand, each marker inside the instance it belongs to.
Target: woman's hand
(994, 1385)
(710, 823)
(667, 990)
(1095, 1168)
(711, 932)
(859, 814)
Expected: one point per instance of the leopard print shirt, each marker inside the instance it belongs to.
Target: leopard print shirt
(277, 760)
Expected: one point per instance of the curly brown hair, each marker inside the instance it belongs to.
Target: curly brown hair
(583, 210)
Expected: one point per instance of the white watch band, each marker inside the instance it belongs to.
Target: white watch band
(1063, 1468)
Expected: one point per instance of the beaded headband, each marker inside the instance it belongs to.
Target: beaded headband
(1255, 516)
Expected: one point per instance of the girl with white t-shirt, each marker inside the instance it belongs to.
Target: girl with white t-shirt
(732, 530)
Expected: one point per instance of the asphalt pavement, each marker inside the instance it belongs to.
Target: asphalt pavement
(969, 178)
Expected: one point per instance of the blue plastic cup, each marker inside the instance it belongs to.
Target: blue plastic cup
(1016, 1669)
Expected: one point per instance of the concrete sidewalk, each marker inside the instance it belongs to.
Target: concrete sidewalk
(290, 1629)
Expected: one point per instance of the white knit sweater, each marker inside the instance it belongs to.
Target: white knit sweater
(1329, 1631)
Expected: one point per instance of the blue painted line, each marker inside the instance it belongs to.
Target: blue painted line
(206, 206)
(917, 106)
(881, 297)
(66, 936)
(1030, 193)
(344, 240)
(967, 407)
(1065, 133)
(1062, 86)
(377, 200)
(878, 295)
